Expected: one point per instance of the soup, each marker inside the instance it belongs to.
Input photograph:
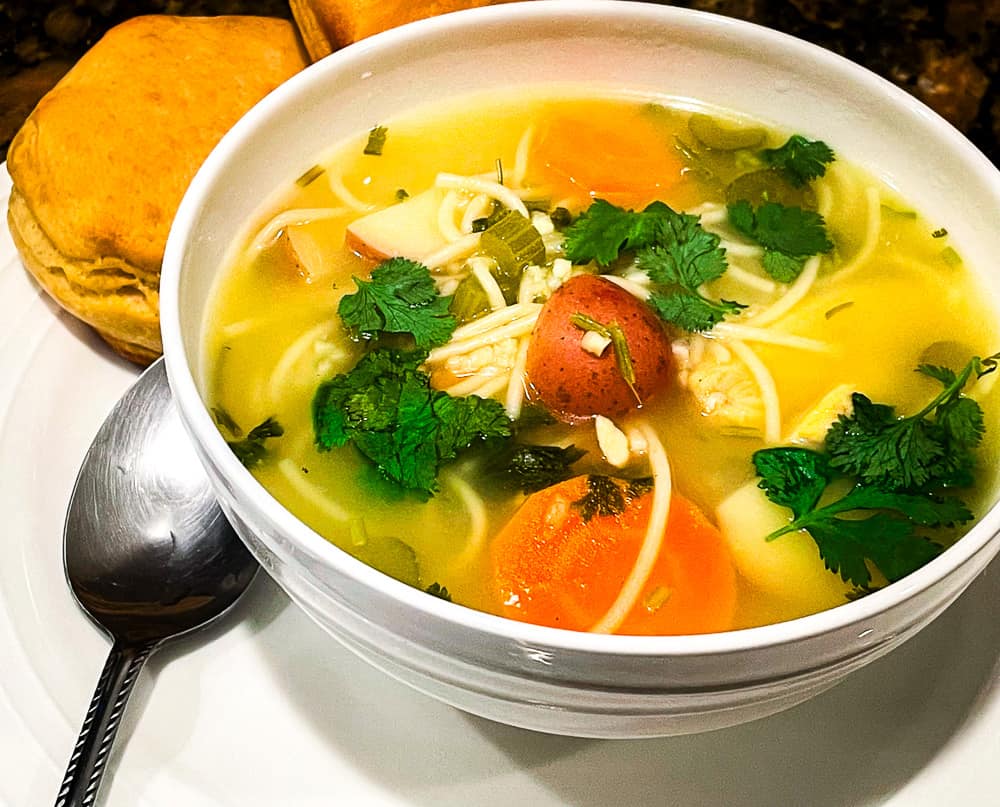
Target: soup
(608, 364)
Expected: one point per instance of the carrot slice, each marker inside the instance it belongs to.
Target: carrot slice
(582, 158)
(553, 566)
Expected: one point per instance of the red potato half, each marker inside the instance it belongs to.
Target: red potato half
(573, 383)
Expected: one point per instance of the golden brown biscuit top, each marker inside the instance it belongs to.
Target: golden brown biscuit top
(107, 154)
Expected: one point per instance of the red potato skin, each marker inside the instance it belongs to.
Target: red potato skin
(575, 385)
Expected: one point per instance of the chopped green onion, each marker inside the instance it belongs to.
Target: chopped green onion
(309, 176)
(612, 331)
(376, 141)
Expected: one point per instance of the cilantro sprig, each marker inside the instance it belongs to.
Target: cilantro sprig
(800, 159)
(899, 467)
(386, 407)
(789, 235)
(672, 248)
(931, 448)
(399, 298)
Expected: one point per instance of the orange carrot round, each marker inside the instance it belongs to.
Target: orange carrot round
(582, 158)
(551, 565)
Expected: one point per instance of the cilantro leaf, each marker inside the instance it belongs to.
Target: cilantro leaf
(801, 160)
(251, 449)
(604, 230)
(690, 311)
(898, 465)
(400, 297)
(889, 542)
(534, 467)
(797, 478)
(677, 253)
(932, 447)
(793, 477)
(386, 407)
(789, 235)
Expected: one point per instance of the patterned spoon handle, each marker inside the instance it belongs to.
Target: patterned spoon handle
(86, 765)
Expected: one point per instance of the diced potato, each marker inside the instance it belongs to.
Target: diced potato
(811, 429)
(405, 230)
(788, 567)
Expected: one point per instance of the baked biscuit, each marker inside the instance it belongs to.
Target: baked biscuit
(101, 164)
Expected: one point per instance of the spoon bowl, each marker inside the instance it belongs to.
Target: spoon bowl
(148, 555)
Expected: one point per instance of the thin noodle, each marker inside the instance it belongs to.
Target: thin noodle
(515, 387)
(340, 189)
(470, 384)
(293, 353)
(311, 492)
(477, 519)
(494, 319)
(518, 327)
(292, 218)
(748, 333)
(798, 290)
(489, 285)
(659, 515)
(479, 207)
(633, 288)
(873, 226)
(493, 189)
(521, 157)
(751, 280)
(446, 216)
(492, 386)
(768, 390)
(461, 248)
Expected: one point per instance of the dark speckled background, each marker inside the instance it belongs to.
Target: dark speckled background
(947, 53)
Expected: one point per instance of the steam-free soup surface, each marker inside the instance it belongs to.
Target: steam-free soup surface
(829, 285)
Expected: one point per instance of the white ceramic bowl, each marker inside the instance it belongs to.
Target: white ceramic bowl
(543, 678)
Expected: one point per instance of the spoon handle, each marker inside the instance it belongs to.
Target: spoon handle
(86, 765)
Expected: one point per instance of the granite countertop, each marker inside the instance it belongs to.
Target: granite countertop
(945, 53)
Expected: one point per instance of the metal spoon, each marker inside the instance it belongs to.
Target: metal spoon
(148, 555)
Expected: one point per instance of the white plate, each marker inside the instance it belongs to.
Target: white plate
(266, 710)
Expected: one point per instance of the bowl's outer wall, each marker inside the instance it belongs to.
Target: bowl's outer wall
(538, 678)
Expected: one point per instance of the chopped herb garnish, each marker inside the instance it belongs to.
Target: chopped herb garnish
(561, 218)
(402, 195)
(400, 298)
(797, 477)
(609, 496)
(437, 590)
(533, 467)
(832, 312)
(900, 467)
(251, 449)
(789, 235)
(614, 332)
(310, 176)
(941, 232)
(672, 248)
(376, 141)
(929, 449)
(801, 160)
(224, 419)
(386, 407)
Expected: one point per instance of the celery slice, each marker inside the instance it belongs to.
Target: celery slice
(513, 242)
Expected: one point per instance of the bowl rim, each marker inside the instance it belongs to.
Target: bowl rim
(202, 429)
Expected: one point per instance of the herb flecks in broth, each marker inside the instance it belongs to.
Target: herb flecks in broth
(482, 300)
